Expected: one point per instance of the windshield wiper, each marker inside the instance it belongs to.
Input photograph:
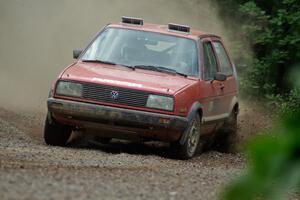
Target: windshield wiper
(108, 63)
(171, 70)
(148, 67)
(159, 69)
(100, 61)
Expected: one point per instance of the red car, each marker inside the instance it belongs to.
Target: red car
(149, 82)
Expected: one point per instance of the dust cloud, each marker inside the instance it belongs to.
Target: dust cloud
(37, 37)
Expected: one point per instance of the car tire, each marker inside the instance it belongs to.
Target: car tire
(226, 137)
(189, 148)
(104, 140)
(56, 134)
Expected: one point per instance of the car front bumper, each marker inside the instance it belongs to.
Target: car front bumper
(73, 111)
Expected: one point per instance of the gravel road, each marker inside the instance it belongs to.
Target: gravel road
(122, 170)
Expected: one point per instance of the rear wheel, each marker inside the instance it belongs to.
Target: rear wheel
(226, 137)
(230, 126)
(188, 149)
(56, 134)
(103, 140)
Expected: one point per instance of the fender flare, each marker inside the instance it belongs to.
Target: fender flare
(193, 111)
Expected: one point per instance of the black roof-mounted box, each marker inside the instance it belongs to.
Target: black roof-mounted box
(178, 27)
(132, 20)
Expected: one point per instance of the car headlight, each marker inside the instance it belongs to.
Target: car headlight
(160, 102)
(69, 89)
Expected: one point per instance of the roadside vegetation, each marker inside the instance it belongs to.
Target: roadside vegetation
(271, 74)
(272, 30)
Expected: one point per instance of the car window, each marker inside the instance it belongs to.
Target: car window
(133, 47)
(225, 65)
(210, 64)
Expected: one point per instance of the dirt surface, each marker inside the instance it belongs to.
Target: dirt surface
(122, 170)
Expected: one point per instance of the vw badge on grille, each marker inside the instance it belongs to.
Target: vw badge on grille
(114, 95)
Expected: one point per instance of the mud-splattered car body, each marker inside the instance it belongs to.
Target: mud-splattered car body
(138, 101)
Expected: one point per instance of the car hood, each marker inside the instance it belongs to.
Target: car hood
(121, 76)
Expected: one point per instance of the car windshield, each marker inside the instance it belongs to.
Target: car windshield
(144, 49)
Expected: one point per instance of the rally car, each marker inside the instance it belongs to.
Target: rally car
(144, 81)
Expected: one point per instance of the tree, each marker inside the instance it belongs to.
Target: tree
(272, 27)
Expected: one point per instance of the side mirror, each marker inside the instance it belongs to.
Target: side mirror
(76, 53)
(220, 77)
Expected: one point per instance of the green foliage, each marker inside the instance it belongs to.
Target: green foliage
(284, 104)
(275, 37)
(272, 28)
(274, 164)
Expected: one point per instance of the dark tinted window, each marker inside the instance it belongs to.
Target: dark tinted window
(210, 64)
(225, 65)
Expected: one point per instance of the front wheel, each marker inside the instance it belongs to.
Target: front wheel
(189, 148)
(56, 134)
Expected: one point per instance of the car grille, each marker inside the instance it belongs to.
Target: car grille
(115, 95)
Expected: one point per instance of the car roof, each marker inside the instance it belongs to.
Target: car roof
(193, 34)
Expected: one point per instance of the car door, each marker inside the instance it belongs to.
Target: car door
(212, 90)
(229, 86)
